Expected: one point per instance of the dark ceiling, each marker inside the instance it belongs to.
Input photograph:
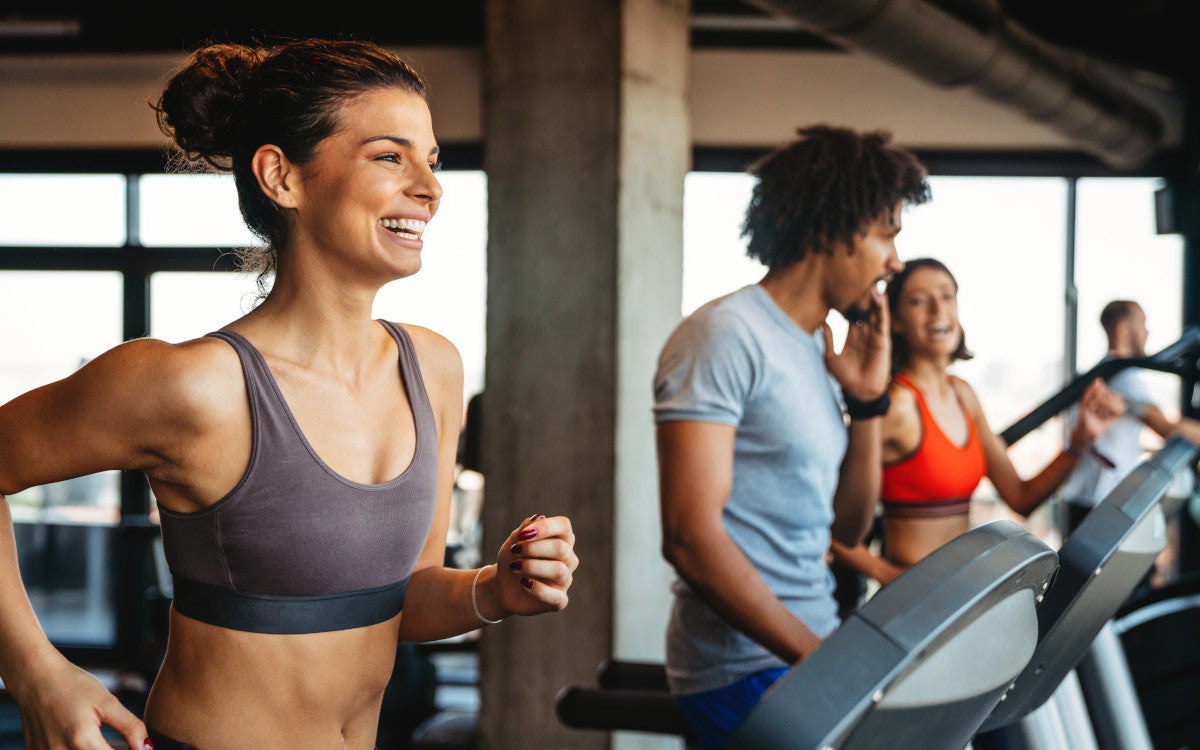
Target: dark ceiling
(1155, 36)
(1147, 35)
(1142, 46)
(89, 26)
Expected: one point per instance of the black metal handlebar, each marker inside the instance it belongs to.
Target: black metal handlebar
(1181, 358)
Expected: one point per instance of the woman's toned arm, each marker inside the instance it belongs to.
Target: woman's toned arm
(866, 562)
(120, 411)
(1098, 407)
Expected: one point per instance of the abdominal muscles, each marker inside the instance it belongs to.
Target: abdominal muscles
(908, 540)
(220, 688)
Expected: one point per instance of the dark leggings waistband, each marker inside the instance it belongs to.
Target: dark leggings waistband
(926, 508)
(163, 742)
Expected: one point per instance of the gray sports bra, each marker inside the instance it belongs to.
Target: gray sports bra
(295, 547)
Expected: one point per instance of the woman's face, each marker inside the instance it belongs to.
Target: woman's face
(927, 315)
(370, 191)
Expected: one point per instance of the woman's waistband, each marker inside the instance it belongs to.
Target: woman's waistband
(925, 508)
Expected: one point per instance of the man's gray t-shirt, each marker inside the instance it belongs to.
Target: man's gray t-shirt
(740, 360)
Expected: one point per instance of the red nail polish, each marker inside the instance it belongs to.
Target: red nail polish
(515, 549)
(147, 744)
(527, 583)
(529, 533)
(514, 565)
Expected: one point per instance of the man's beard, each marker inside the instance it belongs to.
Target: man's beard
(856, 314)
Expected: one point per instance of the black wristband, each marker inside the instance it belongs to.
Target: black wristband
(867, 409)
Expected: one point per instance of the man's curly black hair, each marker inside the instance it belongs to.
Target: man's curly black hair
(823, 189)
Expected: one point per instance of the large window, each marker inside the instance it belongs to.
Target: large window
(65, 531)
(1119, 256)
(40, 210)
(714, 252)
(190, 210)
(51, 323)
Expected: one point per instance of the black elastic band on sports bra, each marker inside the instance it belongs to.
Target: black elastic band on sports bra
(926, 508)
(287, 615)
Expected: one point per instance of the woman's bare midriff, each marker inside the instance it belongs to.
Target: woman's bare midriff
(222, 689)
(908, 540)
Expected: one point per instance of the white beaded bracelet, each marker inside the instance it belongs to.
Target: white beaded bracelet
(474, 605)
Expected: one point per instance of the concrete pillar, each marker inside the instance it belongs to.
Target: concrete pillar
(586, 146)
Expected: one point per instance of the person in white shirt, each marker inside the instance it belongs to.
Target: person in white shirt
(1118, 451)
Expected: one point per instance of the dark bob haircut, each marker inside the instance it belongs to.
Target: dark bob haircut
(895, 289)
(823, 189)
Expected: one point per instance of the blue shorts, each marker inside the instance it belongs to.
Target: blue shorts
(714, 714)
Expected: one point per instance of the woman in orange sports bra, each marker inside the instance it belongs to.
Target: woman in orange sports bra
(937, 444)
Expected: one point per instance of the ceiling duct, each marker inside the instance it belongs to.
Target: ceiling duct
(996, 58)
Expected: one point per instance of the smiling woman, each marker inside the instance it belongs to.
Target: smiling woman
(937, 443)
(302, 456)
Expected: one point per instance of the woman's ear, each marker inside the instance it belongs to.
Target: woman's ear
(278, 178)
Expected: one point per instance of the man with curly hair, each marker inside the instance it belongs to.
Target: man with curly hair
(765, 433)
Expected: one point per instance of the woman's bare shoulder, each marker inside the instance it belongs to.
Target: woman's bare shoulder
(902, 424)
(136, 406)
(437, 355)
(966, 393)
(904, 403)
(441, 370)
(192, 381)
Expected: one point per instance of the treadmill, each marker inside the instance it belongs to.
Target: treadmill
(895, 676)
(919, 666)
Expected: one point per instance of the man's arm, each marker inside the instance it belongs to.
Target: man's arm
(1187, 427)
(862, 369)
(858, 482)
(695, 477)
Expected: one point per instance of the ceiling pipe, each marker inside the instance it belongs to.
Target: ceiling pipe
(994, 57)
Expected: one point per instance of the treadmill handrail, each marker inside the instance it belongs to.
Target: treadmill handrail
(1081, 600)
(1180, 358)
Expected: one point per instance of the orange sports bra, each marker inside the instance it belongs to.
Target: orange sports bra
(939, 477)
